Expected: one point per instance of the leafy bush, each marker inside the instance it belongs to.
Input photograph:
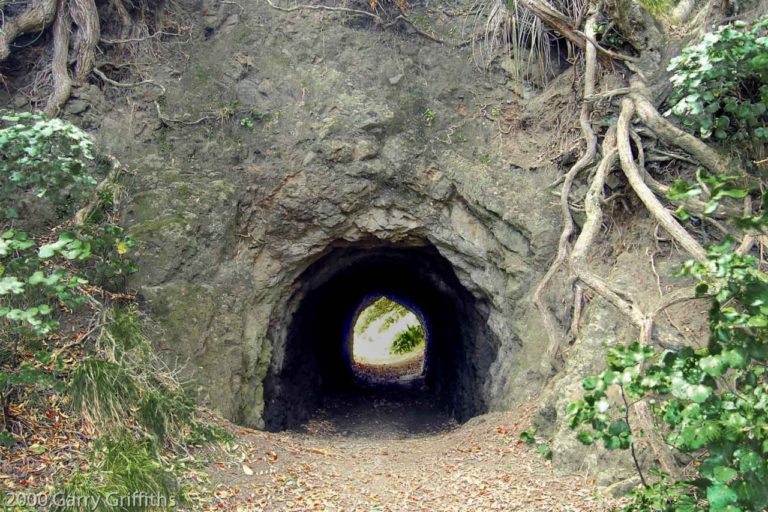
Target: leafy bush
(408, 340)
(721, 84)
(712, 402)
(46, 157)
(111, 261)
(41, 278)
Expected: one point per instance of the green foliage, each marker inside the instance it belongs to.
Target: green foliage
(103, 391)
(46, 157)
(381, 307)
(111, 259)
(429, 116)
(545, 451)
(118, 386)
(713, 402)
(134, 465)
(408, 340)
(41, 281)
(657, 7)
(720, 186)
(122, 467)
(529, 437)
(721, 85)
(164, 411)
(201, 433)
(664, 495)
(126, 329)
(33, 278)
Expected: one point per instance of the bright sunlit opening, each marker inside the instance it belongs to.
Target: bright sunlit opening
(388, 342)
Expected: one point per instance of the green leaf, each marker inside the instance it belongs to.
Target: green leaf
(48, 250)
(11, 285)
(6, 439)
(719, 496)
(748, 460)
(618, 427)
(724, 474)
(589, 383)
(585, 437)
(712, 365)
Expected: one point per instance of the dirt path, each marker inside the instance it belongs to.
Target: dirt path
(394, 456)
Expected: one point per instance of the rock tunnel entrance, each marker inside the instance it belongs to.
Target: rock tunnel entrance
(312, 358)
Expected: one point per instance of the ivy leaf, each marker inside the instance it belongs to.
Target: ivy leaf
(590, 383)
(712, 365)
(49, 250)
(11, 285)
(585, 437)
(720, 496)
(699, 393)
(724, 474)
(748, 460)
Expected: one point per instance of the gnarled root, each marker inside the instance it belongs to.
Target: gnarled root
(36, 18)
(86, 18)
(555, 333)
(674, 136)
(69, 66)
(645, 194)
(62, 82)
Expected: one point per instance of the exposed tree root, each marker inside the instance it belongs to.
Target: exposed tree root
(674, 136)
(62, 83)
(125, 85)
(556, 334)
(86, 18)
(358, 12)
(558, 21)
(617, 148)
(36, 18)
(76, 20)
(645, 194)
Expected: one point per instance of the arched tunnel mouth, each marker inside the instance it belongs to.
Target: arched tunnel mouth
(313, 365)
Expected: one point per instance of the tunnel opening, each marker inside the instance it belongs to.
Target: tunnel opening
(387, 343)
(313, 358)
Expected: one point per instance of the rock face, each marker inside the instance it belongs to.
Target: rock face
(327, 163)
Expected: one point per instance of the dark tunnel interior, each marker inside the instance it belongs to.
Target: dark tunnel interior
(312, 359)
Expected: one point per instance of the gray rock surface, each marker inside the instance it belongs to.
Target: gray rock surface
(315, 137)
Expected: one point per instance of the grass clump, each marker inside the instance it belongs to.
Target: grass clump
(127, 474)
(102, 391)
(164, 412)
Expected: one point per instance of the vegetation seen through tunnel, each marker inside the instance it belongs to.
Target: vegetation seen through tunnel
(386, 329)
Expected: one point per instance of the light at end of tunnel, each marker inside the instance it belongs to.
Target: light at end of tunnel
(388, 342)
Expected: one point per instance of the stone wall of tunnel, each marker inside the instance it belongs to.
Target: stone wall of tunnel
(242, 227)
